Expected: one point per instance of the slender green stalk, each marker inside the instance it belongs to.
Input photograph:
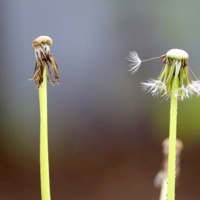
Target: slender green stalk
(172, 142)
(44, 157)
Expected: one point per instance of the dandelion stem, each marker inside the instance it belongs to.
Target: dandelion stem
(163, 192)
(172, 142)
(44, 158)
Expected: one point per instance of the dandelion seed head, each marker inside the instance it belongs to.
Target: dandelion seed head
(174, 79)
(177, 54)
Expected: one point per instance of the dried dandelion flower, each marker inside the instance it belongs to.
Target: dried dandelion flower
(44, 59)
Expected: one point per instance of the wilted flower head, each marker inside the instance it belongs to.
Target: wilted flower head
(176, 69)
(44, 59)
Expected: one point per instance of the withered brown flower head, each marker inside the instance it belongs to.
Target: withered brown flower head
(44, 59)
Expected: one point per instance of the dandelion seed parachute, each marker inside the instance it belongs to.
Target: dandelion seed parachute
(135, 61)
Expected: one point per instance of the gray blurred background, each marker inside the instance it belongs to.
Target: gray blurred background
(105, 133)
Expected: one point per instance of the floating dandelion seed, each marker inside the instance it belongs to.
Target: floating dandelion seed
(135, 61)
(44, 59)
(176, 65)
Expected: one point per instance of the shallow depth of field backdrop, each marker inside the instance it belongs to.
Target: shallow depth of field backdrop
(105, 133)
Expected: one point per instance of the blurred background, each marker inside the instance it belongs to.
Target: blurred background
(105, 133)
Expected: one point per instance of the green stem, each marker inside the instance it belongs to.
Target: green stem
(44, 157)
(172, 142)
